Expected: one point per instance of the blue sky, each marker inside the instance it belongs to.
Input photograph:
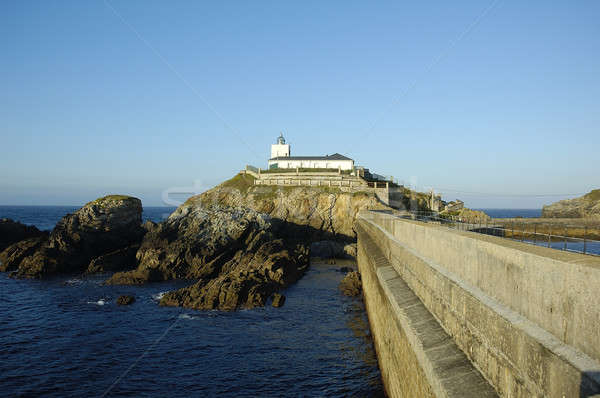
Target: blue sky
(491, 102)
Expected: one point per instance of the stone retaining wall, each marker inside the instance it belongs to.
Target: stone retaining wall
(526, 317)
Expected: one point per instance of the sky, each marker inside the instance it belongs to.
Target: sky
(493, 102)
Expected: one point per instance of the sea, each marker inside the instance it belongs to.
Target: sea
(512, 213)
(66, 337)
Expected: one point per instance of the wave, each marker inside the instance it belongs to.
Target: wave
(99, 302)
(158, 296)
(187, 316)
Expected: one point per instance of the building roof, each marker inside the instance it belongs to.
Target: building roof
(335, 156)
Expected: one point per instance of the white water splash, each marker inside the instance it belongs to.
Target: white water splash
(158, 296)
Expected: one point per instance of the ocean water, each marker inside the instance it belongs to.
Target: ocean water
(512, 213)
(66, 337)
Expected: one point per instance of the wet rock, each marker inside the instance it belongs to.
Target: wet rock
(125, 300)
(345, 269)
(119, 259)
(351, 284)
(98, 228)
(13, 232)
(278, 300)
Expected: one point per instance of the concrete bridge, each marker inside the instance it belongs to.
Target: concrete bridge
(459, 314)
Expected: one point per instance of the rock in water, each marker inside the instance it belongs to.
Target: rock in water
(14, 254)
(278, 300)
(100, 227)
(351, 284)
(13, 232)
(232, 252)
(117, 260)
(125, 300)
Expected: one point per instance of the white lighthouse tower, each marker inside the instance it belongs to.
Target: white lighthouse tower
(281, 148)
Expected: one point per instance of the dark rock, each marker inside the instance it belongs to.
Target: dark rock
(14, 254)
(125, 300)
(119, 259)
(13, 232)
(278, 300)
(351, 284)
(100, 227)
(232, 252)
(327, 249)
(345, 269)
(149, 225)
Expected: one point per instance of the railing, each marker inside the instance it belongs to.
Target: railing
(539, 234)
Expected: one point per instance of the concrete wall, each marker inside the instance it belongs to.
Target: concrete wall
(528, 318)
(313, 164)
(416, 357)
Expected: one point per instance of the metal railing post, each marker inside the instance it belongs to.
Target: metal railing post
(549, 235)
(565, 239)
(535, 234)
(584, 239)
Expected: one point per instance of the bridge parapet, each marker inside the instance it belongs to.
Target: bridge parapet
(528, 318)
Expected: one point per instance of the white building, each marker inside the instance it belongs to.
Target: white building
(281, 159)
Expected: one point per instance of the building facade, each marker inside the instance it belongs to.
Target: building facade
(281, 159)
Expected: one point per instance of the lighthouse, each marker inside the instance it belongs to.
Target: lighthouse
(280, 149)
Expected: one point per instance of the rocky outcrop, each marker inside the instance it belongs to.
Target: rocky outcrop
(586, 206)
(100, 227)
(125, 300)
(234, 254)
(278, 300)
(351, 284)
(13, 232)
(13, 255)
(315, 213)
(467, 215)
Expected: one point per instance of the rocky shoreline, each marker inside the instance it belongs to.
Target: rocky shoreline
(239, 248)
(586, 206)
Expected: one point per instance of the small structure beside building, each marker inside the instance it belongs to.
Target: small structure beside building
(456, 205)
(281, 159)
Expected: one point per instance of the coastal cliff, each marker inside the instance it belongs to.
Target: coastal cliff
(324, 212)
(586, 206)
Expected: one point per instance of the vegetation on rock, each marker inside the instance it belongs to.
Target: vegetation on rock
(586, 206)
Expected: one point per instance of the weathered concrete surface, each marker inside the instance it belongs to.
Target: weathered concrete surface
(417, 358)
(527, 317)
